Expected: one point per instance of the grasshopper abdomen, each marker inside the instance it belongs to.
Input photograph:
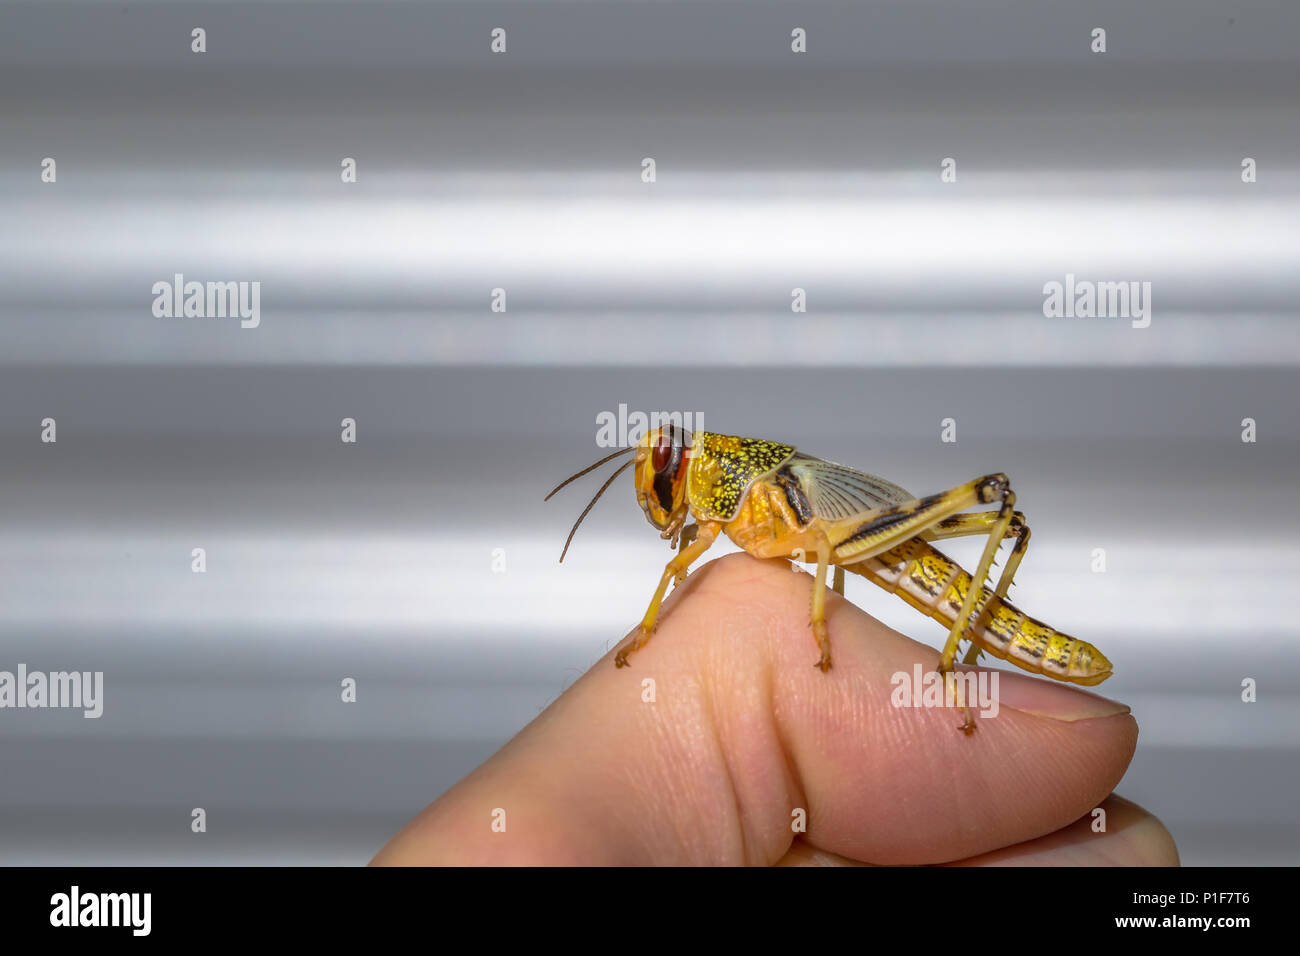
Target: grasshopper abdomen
(936, 585)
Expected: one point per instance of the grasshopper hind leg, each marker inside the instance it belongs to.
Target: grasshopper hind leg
(985, 522)
(999, 527)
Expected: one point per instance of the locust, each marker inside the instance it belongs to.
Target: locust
(774, 501)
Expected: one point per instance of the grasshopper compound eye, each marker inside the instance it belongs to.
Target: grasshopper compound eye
(662, 455)
(666, 452)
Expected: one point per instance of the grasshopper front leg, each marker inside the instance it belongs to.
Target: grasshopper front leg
(708, 533)
(684, 540)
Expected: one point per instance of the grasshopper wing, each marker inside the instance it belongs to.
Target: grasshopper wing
(839, 493)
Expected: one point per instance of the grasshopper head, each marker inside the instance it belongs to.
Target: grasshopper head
(661, 459)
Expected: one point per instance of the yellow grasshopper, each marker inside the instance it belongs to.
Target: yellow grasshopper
(775, 502)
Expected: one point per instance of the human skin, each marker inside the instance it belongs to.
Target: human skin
(744, 730)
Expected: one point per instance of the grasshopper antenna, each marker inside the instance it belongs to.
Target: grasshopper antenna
(622, 468)
(621, 451)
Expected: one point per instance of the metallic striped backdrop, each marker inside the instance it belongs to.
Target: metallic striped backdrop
(523, 172)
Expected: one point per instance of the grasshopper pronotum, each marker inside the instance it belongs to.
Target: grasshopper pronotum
(775, 502)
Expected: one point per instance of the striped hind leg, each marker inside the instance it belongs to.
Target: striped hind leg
(997, 530)
(982, 522)
(862, 536)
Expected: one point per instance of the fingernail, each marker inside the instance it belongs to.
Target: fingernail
(1044, 698)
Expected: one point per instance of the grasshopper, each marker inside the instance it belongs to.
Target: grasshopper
(775, 502)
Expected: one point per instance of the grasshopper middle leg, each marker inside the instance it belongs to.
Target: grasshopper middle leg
(819, 605)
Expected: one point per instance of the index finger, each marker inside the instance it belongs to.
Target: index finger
(739, 737)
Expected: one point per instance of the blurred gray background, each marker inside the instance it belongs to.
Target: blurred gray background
(523, 171)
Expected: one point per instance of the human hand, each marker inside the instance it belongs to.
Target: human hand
(744, 731)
